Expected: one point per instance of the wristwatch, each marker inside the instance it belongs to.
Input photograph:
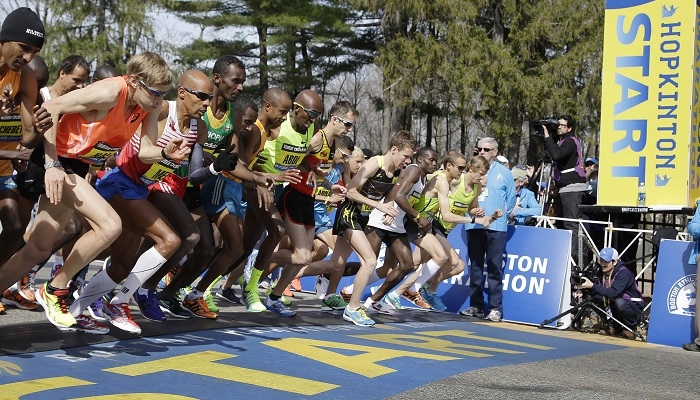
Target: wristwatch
(473, 219)
(52, 164)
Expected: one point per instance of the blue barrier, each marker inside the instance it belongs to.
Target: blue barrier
(671, 321)
(535, 277)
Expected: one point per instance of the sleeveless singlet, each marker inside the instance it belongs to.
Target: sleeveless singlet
(11, 124)
(94, 142)
(377, 186)
(131, 165)
(287, 151)
(254, 155)
(460, 201)
(319, 159)
(375, 217)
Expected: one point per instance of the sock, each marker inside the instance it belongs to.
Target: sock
(146, 265)
(328, 296)
(349, 289)
(58, 260)
(100, 285)
(211, 285)
(368, 302)
(254, 280)
(142, 291)
(429, 269)
(194, 294)
(272, 297)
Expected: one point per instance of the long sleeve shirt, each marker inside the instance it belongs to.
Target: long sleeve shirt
(498, 195)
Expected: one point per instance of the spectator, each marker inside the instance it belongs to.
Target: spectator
(526, 205)
(694, 231)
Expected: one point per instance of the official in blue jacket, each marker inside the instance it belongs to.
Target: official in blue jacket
(694, 231)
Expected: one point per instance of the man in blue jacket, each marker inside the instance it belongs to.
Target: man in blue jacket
(620, 293)
(694, 231)
(487, 243)
(526, 204)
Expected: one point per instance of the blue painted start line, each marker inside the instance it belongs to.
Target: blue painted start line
(294, 362)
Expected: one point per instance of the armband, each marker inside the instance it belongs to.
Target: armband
(212, 170)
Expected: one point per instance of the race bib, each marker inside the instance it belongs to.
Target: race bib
(159, 171)
(99, 154)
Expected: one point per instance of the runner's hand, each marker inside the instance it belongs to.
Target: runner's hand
(7, 103)
(388, 208)
(42, 120)
(291, 175)
(177, 149)
(265, 197)
(226, 161)
(53, 181)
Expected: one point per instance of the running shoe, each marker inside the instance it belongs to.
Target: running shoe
(333, 303)
(149, 307)
(13, 298)
(279, 308)
(55, 307)
(95, 310)
(26, 287)
(172, 306)
(345, 295)
(198, 308)
(379, 307)
(288, 292)
(252, 301)
(88, 324)
(229, 295)
(494, 316)
(472, 312)
(321, 286)
(357, 317)
(2, 309)
(296, 284)
(209, 299)
(433, 299)
(119, 315)
(392, 298)
(415, 298)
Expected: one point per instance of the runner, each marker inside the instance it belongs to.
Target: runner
(126, 189)
(297, 202)
(374, 180)
(110, 110)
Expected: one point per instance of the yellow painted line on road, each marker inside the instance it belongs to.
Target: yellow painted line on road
(569, 334)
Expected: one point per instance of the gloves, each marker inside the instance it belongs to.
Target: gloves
(226, 161)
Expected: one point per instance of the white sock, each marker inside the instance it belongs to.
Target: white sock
(142, 291)
(429, 269)
(368, 302)
(98, 286)
(349, 289)
(146, 265)
(57, 260)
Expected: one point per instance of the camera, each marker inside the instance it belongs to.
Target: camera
(577, 275)
(551, 123)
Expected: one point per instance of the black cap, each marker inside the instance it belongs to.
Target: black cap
(368, 153)
(23, 25)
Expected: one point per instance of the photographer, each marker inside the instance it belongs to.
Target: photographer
(568, 173)
(620, 294)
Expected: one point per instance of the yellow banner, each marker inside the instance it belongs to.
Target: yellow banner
(648, 67)
(695, 119)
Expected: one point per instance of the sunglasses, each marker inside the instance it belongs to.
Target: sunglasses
(461, 167)
(344, 154)
(200, 95)
(313, 114)
(564, 125)
(345, 122)
(153, 92)
(484, 149)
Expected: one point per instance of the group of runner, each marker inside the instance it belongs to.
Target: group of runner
(180, 192)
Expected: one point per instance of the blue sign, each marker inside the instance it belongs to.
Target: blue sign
(534, 277)
(672, 317)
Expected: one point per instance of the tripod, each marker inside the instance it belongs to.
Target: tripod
(584, 308)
